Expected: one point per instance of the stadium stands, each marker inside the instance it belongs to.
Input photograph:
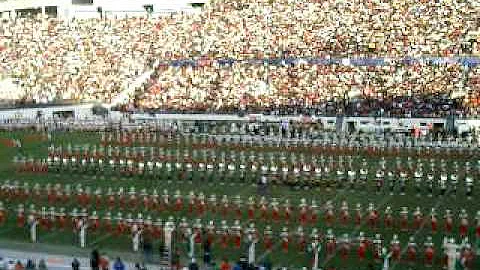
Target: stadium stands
(251, 55)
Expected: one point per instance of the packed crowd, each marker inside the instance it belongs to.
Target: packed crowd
(401, 90)
(94, 60)
(272, 29)
(79, 60)
(260, 30)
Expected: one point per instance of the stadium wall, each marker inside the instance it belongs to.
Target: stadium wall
(363, 124)
(83, 111)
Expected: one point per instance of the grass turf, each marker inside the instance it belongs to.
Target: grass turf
(32, 145)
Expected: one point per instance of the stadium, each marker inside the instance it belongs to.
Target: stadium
(228, 134)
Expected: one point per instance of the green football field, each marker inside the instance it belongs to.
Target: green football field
(34, 146)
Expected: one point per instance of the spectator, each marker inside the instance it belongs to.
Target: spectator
(30, 265)
(19, 266)
(42, 265)
(193, 265)
(263, 186)
(225, 265)
(118, 265)
(95, 260)
(147, 247)
(104, 263)
(206, 252)
(176, 260)
(267, 264)
(237, 267)
(75, 264)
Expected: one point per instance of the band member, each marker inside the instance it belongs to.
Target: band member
(287, 208)
(224, 234)
(157, 228)
(363, 175)
(453, 184)
(37, 194)
(285, 238)
(403, 182)
(301, 240)
(268, 238)
(418, 176)
(20, 216)
(331, 243)
(121, 198)
(372, 216)
(60, 218)
(469, 187)
(236, 231)
(98, 197)
(211, 232)
(107, 223)
(225, 206)
(344, 243)
(44, 218)
(344, 214)
(153, 200)
(201, 205)
(120, 225)
(412, 250)
(362, 247)
(238, 207)
(212, 204)
(313, 213)
(351, 176)
(178, 201)
(442, 183)
(94, 221)
(148, 225)
(147, 205)
(275, 210)
(379, 180)
(391, 178)
(468, 256)
(377, 247)
(263, 208)
(395, 248)
(388, 218)
(184, 228)
(430, 183)
(303, 211)
(197, 230)
(132, 198)
(417, 218)
(111, 198)
(358, 215)
(74, 219)
(433, 221)
(477, 225)
(429, 252)
(448, 221)
(404, 219)
(463, 229)
(329, 215)
(165, 205)
(51, 195)
(191, 202)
